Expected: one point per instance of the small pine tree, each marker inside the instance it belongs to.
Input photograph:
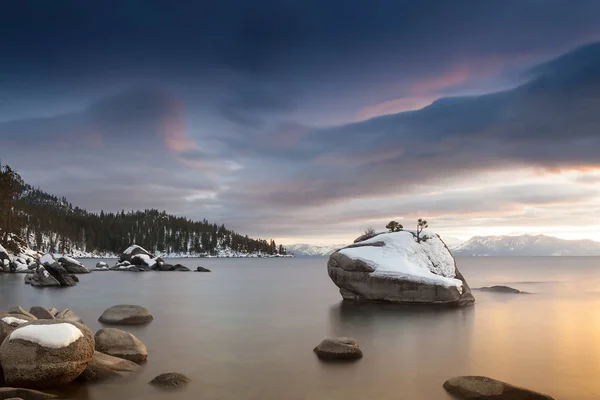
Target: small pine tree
(394, 226)
(421, 224)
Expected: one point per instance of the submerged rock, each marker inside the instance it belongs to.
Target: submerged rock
(500, 289)
(125, 314)
(484, 388)
(121, 344)
(46, 353)
(343, 348)
(394, 267)
(181, 268)
(202, 269)
(104, 366)
(170, 380)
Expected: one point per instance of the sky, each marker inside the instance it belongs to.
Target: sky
(310, 121)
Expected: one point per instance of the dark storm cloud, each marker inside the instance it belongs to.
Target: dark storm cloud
(240, 131)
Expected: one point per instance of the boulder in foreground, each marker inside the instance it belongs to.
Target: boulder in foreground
(126, 314)
(343, 348)
(121, 344)
(484, 388)
(104, 366)
(394, 267)
(170, 380)
(46, 353)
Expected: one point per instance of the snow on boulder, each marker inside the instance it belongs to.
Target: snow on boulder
(133, 250)
(72, 266)
(47, 259)
(14, 321)
(46, 353)
(394, 267)
(51, 336)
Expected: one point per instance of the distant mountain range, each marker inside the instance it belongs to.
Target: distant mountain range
(526, 245)
(503, 246)
(310, 250)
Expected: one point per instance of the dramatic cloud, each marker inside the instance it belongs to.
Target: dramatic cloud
(288, 119)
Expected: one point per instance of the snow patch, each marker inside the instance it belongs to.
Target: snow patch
(47, 259)
(13, 320)
(131, 248)
(428, 262)
(52, 336)
(72, 260)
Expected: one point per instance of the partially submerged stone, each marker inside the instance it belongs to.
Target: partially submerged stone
(170, 380)
(343, 348)
(484, 388)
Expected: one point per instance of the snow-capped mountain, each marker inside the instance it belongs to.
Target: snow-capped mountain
(313, 250)
(526, 245)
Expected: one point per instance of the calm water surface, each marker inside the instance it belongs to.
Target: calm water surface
(247, 330)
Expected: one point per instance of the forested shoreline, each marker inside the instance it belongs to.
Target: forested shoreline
(52, 224)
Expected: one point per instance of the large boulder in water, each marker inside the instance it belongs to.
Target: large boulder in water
(132, 251)
(395, 267)
(121, 344)
(60, 274)
(484, 388)
(72, 266)
(126, 314)
(41, 278)
(46, 353)
(104, 366)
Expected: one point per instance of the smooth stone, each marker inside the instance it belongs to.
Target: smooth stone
(484, 388)
(30, 365)
(125, 314)
(181, 268)
(343, 348)
(104, 366)
(19, 311)
(170, 380)
(41, 312)
(121, 344)
(202, 269)
(500, 289)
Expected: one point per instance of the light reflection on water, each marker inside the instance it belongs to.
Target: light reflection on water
(246, 330)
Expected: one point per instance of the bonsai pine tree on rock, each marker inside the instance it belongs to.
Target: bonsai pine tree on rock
(394, 226)
(421, 224)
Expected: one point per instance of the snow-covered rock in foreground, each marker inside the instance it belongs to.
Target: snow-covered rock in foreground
(394, 267)
(52, 336)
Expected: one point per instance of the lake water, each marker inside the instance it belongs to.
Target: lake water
(247, 330)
